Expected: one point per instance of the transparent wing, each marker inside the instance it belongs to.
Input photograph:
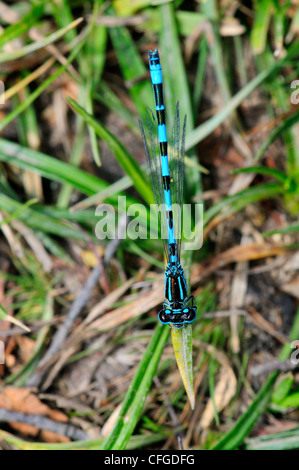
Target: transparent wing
(152, 151)
(176, 169)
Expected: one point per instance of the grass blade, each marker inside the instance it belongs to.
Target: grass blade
(182, 345)
(63, 16)
(122, 155)
(262, 170)
(26, 22)
(38, 91)
(7, 56)
(262, 16)
(133, 70)
(40, 221)
(211, 12)
(137, 393)
(285, 125)
(112, 102)
(5, 317)
(288, 229)
(49, 167)
(174, 72)
(135, 442)
(18, 212)
(236, 202)
(234, 438)
(200, 74)
(20, 377)
(202, 131)
(285, 440)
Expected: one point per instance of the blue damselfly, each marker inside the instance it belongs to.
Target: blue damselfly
(167, 176)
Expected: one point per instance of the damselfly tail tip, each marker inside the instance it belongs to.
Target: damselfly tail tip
(153, 54)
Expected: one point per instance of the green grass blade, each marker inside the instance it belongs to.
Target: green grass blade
(24, 24)
(53, 247)
(92, 64)
(124, 158)
(176, 87)
(63, 16)
(294, 28)
(112, 190)
(200, 74)
(5, 317)
(129, 8)
(210, 10)
(236, 435)
(20, 377)
(38, 91)
(187, 21)
(291, 401)
(136, 395)
(112, 102)
(281, 97)
(262, 170)
(282, 390)
(182, 345)
(27, 122)
(285, 440)
(62, 172)
(49, 167)
(133, 70)
(288, 229)
(87, 217)
(92, 134)
(202, 131)
(74, 160)
(262, 15)
(232, 204)
(135, 442)
(17, 54)
(286, 124)
(174, 73)
(241, 61)
(279, 22)
(18, 212)
(40, 221)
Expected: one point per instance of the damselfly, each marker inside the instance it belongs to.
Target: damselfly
(167, 175)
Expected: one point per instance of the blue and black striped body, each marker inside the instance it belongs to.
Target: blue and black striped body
(175, 311)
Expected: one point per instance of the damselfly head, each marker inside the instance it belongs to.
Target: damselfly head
(185, 315)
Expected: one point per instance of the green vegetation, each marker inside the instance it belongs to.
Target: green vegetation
(76, 81)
